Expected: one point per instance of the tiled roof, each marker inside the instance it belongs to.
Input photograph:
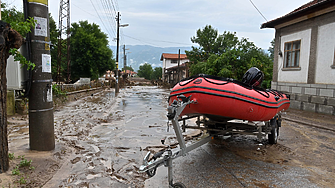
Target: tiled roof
(172, 56)
(304, 9)
(130, 72)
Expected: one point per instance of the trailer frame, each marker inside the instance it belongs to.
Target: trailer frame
(215, 128)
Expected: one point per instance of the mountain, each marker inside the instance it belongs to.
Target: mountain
(137, 55)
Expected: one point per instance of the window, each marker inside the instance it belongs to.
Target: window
(292, 54)
(174, 61)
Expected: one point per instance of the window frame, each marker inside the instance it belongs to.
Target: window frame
(294, 63)
(173, 61)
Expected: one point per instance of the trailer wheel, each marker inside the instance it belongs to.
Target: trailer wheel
(152, 172)
(178, 185)
(273, 137)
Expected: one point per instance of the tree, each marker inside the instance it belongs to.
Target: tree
(54, 48)
(157, 73)
(145, 71)
(227, 56)
(10, 41)
(90, 55)
(271, 50)
(210, 42)
(128, 68)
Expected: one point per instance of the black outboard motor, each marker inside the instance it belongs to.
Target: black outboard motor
(253, 77)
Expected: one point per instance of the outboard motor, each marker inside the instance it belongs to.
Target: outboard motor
(253, 77)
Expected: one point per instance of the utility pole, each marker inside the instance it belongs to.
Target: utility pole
(117, 51)
(117, 54)
(178, 71)
(124, 58)
(41, 117)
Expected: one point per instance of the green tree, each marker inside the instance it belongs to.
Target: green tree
(54, 47)
(128, 68)
(227, 56)
(210, 42)
(145, 71)
(156, 73)
(12, 27)
(90, 54)
(271, 50)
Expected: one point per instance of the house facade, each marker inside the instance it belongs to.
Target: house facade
(304, 56)
(171, 71)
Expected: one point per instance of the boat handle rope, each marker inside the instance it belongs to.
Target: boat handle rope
(258, 90)
(186, 82)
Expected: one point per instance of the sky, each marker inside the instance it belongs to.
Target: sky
(172, 23)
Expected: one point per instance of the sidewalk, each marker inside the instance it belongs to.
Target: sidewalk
(323, 121)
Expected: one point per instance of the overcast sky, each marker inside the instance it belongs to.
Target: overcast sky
(171, 23)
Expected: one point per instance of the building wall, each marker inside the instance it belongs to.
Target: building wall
(293, 74)
(312, 86)
(167, 63)
(318, 98)
(325, 72)
(323, 24)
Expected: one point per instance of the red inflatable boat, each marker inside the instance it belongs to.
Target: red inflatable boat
(224, 99)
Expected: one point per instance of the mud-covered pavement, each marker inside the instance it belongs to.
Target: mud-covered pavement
(123, 130)
(303, 157)
(101, 141)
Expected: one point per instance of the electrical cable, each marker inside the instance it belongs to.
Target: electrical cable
(258, 10)
(109, 15)
(100, 18)
(155, 40)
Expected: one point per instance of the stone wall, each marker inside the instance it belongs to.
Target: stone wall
(318, 98)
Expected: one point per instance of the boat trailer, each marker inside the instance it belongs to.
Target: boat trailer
(214, 128)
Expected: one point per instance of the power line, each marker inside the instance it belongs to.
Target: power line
(109, 15)
(258, 10)
(100, 18)
(155, 40)
(84, 10)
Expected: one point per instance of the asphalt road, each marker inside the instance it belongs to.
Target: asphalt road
(303, 157)
(101, 141)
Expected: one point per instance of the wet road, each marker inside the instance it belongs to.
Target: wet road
(303, 157)
(110, 136)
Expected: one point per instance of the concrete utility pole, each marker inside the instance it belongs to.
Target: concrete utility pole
(124, 58)
(41, 117)
(178, 71)
(117, 51)
(117, 54)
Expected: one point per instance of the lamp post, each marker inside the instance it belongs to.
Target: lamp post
(117, 52)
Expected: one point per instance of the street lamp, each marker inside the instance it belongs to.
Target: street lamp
(117, 52)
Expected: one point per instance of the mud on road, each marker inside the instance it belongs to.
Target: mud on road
(101, 141)
(303, 157)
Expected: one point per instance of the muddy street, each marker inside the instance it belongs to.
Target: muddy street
(101, 141)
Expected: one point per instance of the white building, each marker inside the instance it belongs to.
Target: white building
(304, 56)
(170, 67)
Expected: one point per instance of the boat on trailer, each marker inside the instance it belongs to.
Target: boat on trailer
(222, 106)
(226, 99)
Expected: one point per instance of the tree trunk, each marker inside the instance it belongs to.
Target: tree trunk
(8, 39)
